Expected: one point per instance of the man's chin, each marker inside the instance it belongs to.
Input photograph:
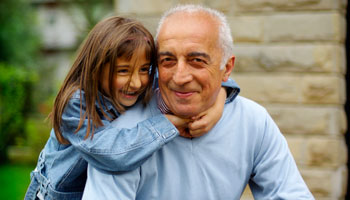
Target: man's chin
(185, 112)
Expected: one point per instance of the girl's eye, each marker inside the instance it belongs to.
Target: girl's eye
(122, 71)
(144, 69)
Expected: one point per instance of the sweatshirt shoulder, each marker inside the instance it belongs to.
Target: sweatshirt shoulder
(248, 105)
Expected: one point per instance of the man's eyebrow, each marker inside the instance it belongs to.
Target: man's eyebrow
(165, 53)
(200, 54)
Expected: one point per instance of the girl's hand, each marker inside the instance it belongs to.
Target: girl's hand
(206, 120)
(181, 124)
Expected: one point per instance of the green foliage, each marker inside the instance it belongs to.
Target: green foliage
(19, 40)
(21, 115)
(38, 132)
(15, 87)
(14, 180)
(19, 46)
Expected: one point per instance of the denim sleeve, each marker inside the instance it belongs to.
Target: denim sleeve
(116, 149)
(275, 173)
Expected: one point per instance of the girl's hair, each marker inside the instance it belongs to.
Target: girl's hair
(112, 38)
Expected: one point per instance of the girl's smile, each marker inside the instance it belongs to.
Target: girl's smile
(130, 95)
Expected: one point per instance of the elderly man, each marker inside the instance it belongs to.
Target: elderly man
(245, 146)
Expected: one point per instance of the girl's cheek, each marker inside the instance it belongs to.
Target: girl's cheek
(145, 80)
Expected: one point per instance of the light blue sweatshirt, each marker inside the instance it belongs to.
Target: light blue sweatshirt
(245, 147)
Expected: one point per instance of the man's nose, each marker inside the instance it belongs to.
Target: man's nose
(135, 81)
(182, 74)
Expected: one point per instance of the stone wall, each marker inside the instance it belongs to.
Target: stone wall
(290, 57)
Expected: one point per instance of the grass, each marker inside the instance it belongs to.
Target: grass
(15, 179)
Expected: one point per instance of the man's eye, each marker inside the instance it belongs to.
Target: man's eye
(167, 61)
(198, 60)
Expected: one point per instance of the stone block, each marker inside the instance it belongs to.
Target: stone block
(326, 183)
(290, 58)
(308, 120)
(222, 5)
(297, 148)
(193, 1)
(323, 89)
(326, 152)
(142, 7)
(246, 29)
(269, 88)
(304, 27)
(276, 5)
(292, 88)
(328, 58)
(319, 182)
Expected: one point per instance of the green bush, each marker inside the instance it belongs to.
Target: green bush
(14, 181)
(19, 38)
(15, 87)
(19, 48)
(38, 131)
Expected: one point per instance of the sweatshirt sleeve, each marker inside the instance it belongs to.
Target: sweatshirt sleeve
(275, 174)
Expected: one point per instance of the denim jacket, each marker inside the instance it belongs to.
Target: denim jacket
(61, 169)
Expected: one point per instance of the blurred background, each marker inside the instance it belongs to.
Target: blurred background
(291, 57)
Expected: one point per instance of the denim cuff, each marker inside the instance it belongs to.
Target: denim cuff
(163, 128)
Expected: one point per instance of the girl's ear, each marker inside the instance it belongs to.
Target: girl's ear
(228, 68)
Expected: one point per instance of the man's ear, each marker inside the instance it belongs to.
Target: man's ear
(228, 68)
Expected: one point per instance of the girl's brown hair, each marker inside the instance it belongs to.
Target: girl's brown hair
(110, 39)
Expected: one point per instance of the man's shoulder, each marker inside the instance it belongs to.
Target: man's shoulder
(247, 105)
(246, 111)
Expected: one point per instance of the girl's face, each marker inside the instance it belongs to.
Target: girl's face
(136, 70)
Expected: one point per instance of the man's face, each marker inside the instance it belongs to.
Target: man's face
(189, 63)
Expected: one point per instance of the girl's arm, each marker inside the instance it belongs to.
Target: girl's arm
(116, 149)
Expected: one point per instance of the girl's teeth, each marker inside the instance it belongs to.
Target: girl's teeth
(130, 93)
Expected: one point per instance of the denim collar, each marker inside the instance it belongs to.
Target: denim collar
(106, 104)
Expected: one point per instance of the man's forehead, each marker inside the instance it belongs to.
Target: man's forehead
(192, 22)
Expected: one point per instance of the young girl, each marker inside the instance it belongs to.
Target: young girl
(113, 70)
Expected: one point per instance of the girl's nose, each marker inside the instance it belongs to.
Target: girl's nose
(135, 82)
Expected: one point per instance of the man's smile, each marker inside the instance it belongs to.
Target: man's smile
(183, 94)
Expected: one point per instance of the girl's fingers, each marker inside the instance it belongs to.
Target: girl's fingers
(185, 134)
(198, 128)
(199, 124)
